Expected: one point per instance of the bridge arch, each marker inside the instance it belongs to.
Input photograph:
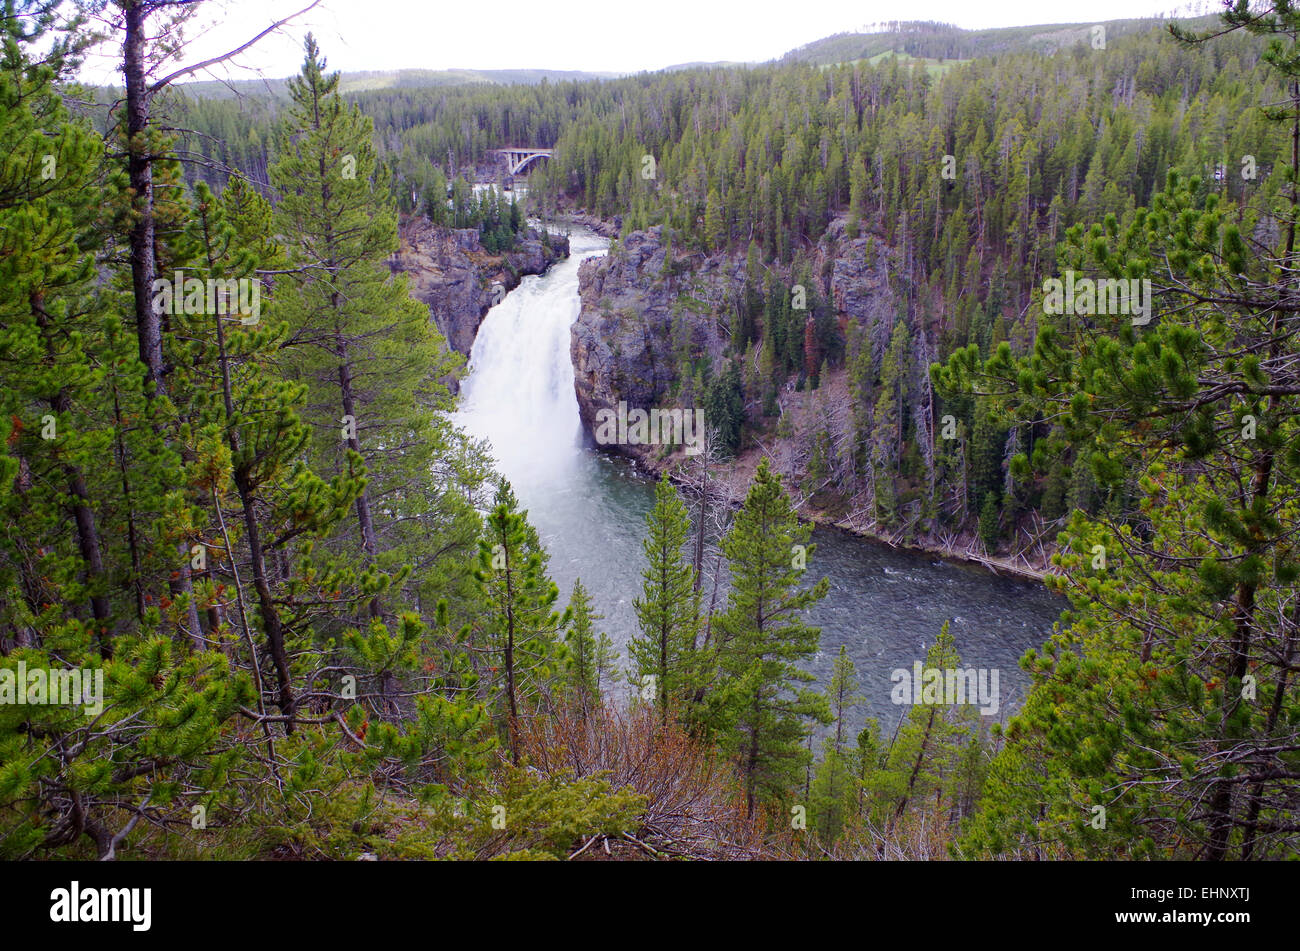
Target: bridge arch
(519, 159)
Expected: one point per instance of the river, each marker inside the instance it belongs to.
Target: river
(589, 508)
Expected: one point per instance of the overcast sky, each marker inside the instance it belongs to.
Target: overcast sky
(619, 36)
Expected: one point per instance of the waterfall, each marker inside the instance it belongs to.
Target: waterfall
(519, 391)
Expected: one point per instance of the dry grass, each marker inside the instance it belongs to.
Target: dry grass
(694, 808)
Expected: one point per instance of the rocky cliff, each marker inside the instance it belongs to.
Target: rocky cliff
(651, 318)
(647, 311)
(640, 310)
(454, 276)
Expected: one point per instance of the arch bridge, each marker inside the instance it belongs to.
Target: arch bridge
(518, 159)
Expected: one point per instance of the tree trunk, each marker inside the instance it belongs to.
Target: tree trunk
(88, 542)
(369, 541)
(916, 767)
(140, 176)
(266, 603)
(132, 541)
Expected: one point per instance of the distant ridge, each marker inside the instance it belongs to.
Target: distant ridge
(943, 41)
(365, 80)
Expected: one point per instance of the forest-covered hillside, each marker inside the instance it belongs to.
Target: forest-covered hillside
(942, 41)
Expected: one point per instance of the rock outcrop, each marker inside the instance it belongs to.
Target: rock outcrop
(643, 314)
(606, 229)
(858, 282)
(650, 318)
(454, 276)
(638, 314)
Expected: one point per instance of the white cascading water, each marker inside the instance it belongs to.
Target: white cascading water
(519, 391)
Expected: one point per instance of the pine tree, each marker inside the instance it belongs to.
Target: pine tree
(590, 654)
(521, 633)
(834, 792)
(249, 437)
(668, 611)
(369, 354)
(51, 330)
(724, 407)
(762, 711)
(715, 226)
(842, 695)
(986, 474)
(68, 595)
(923, 760)
(889, 420)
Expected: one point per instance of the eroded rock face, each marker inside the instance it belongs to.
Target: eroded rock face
(641, 313)
(637, 316)
(453, 275)
(859, 283)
